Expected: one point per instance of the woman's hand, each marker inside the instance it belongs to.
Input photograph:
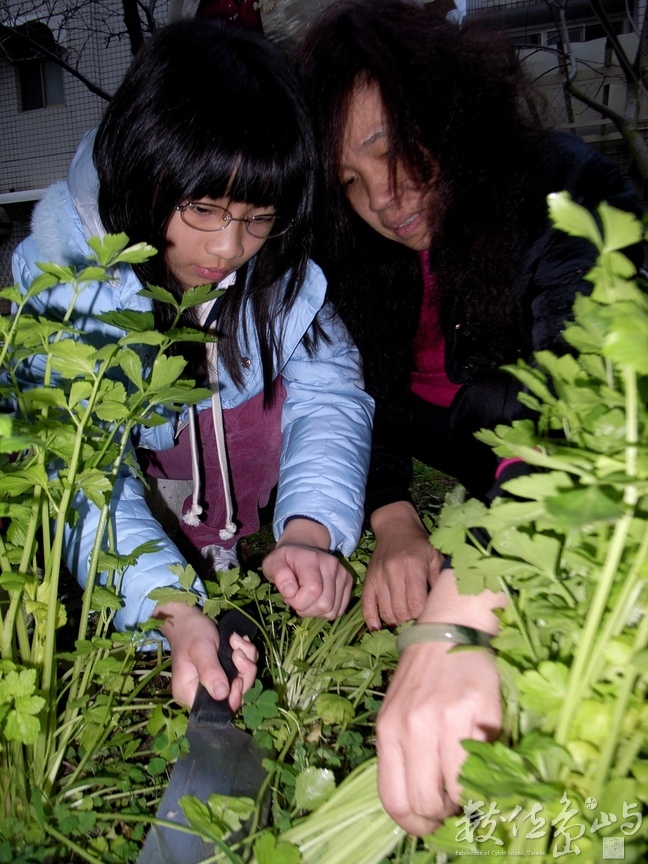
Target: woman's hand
(309, 578)
(402, 568)
(437, 697)
(194, 642)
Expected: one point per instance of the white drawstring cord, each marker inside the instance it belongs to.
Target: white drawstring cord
(229, 530)
(192, 516)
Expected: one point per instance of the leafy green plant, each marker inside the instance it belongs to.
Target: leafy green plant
(87, 728)
(314, 710)
(569, 775)
(63, 711)
(570, 549)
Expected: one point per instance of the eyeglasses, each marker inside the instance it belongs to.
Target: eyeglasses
(211, 217)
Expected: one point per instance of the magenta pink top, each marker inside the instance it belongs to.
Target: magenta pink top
(428, 379)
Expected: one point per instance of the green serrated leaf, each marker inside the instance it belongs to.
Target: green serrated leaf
(313, 787)
(136, 254)
(73, 359)
(270, 850)
(627, 340)
(128, 320)
(620, 228)
(95, 485)
(185, 573)
(333, 709)
(155, 292)
(498, 772)
(573, 218)
(543, 691)
(59, 273)
(201, 294)
(166, 371)
(583, 506)
(43, 397)
(92, 274)
(173, 595)
(131, 365)
(108, 247)
(105, 598)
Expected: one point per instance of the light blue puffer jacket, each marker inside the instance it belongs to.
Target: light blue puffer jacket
(326, 420)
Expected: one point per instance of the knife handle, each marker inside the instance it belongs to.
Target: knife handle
(206, 709)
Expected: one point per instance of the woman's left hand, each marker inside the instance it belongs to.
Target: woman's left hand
(437, 698)
(194, 641)
(309, 578)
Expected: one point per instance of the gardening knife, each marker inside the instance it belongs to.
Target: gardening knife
(221, 759)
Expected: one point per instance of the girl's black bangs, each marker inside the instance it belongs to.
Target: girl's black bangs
(256, 177)
(263, 180)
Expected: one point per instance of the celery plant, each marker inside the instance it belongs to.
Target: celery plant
(66, 437)
(570, 548)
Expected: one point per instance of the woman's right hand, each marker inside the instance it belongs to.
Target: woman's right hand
(437, 698)
(402, 569)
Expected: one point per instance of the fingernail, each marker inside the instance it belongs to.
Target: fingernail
(220, 691)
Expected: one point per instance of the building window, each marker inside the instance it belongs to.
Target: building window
(31, 48)
(41, 84)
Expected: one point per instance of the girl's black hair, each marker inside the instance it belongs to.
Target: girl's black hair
(199, 105)
(456, 94)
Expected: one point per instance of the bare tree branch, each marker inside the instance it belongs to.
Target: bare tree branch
(633, 75)
(76, 24)
(54, 57)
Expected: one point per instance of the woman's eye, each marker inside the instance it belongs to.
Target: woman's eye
(200, 211)
(348, 183)
(264, 220)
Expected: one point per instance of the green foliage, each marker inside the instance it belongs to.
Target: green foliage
(87, 727)
(71, 744)
(569, 546)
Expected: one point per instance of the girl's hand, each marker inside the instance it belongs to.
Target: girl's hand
(309, 578)
(402, 569)
(194, 642)
(437, 698)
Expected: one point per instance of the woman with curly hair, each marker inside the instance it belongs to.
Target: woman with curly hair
(437, 244)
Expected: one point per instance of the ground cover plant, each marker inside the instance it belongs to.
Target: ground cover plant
(88, 732)
(87, 726)
(60, 709)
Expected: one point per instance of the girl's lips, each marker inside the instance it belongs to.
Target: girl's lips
(210, 275)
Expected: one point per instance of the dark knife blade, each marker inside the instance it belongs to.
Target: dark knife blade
(221, 759)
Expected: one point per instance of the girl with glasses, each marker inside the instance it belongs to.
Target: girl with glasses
(437, 243)
(206, 152)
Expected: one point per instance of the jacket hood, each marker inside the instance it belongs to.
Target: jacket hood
(83, 183)
(67, 215)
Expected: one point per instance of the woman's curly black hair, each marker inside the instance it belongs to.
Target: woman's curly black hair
(458, 94)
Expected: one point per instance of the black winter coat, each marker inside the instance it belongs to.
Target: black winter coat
(552, 273)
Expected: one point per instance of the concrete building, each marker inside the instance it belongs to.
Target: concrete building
(533, 25)
(45, 109)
